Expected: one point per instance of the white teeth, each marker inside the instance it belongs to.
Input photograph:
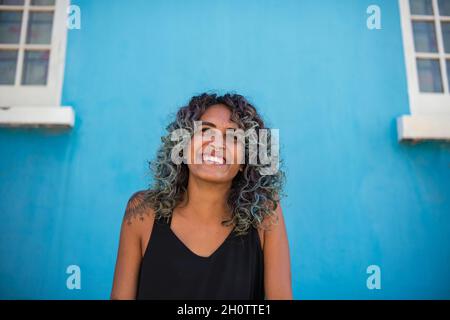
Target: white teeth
(211, 159)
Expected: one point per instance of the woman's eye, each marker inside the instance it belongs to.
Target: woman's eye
(232, 139)
(235, 139)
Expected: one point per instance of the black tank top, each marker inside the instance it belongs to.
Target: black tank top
(170, 270)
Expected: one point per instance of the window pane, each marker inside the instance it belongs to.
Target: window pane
(444, 7)
(8, 64)
(429, 72)
(42, 2)
(446, 36)
(423, 7)
(10, 26)
(40, 27)
(12, 2)
(448, 73)
(424, 36)
(35, 67)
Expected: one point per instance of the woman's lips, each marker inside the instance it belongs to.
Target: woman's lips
(213, 160)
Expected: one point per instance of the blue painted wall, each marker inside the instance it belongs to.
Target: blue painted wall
(356, 196)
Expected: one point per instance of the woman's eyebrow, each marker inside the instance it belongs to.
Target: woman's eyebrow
(210, 124)
(207, 123)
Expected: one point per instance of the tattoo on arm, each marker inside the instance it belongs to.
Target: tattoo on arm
(137, 207)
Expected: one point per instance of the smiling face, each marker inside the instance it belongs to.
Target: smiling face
(217, 159)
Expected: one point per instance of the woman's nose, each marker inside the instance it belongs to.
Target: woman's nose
(217, 142)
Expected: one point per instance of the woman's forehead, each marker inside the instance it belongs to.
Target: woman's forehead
(219, 115)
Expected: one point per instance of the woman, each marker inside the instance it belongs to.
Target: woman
(212, 229)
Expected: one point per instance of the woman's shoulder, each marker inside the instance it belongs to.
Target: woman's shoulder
(139, 217)
(139, 208)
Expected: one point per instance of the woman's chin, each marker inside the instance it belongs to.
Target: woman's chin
(214, 173)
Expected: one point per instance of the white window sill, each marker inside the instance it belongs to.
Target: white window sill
(37, 116)
(423, 127)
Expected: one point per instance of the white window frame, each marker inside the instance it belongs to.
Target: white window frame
(24, 105)
(430, 112)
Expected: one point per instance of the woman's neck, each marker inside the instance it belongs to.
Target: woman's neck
(206, 201)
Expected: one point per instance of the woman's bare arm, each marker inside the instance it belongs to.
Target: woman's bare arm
(277, 267)
(129, 254)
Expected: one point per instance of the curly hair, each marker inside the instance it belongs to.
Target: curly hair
(253, 196)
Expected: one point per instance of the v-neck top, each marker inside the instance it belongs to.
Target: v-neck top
(170, 270)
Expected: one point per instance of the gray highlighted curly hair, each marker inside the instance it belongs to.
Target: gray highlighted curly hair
(253, 196)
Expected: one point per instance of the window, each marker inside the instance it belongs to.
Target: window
(426, 39)
(32, 55)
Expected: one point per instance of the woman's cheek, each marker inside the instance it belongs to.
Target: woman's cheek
(194, 147)
(239, 153)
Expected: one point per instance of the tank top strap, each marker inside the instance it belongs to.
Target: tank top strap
(165, 221)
